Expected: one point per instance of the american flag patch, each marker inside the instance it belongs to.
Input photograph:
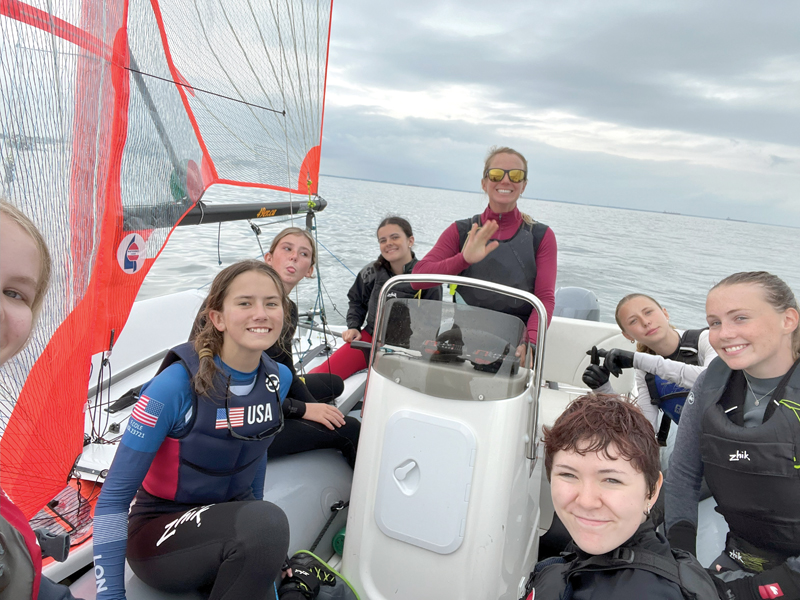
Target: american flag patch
(236, 414)
(147, 411)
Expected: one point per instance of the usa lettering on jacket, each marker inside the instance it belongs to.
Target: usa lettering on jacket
(260, 413)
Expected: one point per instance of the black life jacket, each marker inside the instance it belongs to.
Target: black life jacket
(206, 464)
(753, 472)
(512, 263)
(552, 578)
(668, 396)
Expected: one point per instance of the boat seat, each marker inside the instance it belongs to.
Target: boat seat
(304, 485)
(565, 357)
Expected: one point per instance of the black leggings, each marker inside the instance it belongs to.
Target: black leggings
(232, 550)
(301, 435)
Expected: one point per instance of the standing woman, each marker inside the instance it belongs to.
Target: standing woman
(194, 456)
(396, 239)
(502, 245)
(741, 429)
(667, 360)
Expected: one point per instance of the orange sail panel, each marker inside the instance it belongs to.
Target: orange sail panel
(116, 117)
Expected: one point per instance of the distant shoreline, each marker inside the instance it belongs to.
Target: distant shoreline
(658, 212)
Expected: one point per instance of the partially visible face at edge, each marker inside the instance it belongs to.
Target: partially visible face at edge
(503, 195)
(601, 501)
(20, 267)
(747, 332)
(292, 260)
(644, 321)
(395, 245)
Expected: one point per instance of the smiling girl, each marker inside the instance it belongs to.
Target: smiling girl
(397, 258)
(25, 268)
(601, 460)
(194, 455)
(741, 429)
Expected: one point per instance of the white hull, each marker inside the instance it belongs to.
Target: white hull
(508, 507)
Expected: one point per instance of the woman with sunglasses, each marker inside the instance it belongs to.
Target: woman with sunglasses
(194, 456)
(501, 245)
(740, 429)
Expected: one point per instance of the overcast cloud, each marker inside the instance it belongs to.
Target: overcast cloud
(690, 107)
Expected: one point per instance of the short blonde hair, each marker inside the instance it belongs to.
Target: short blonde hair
(45, 267)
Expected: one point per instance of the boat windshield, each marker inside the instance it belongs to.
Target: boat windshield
(450, 350)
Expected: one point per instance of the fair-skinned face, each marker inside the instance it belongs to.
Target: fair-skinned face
(251, 320)
(645, 322)
(20, 263)
(748, 333)
(601, 501)
(395, 246)
(292, 260)
(503, 195)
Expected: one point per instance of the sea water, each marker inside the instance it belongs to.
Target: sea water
(611, 251)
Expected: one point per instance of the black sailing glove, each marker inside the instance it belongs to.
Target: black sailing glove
(595, 376)
(616, 360)
(781, 582)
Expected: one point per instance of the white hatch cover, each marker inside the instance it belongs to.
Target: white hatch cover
(425, 478)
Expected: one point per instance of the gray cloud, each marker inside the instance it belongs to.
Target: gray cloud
(728, 71)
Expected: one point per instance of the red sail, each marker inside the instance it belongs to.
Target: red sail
(116, 117)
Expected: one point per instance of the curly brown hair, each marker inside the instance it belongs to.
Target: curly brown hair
(592, 423)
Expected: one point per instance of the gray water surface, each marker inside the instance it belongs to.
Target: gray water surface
(613, 252)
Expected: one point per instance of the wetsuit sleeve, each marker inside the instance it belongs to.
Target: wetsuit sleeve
(294, 395)
(545, 286)
(682, 488)
(444, 258)
(358, 296)
(672, 370)
(287, 378)
(162, 408)
(643, 400)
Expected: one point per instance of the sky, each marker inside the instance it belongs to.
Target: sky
(682, 106)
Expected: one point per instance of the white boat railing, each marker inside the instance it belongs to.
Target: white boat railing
(534, 375)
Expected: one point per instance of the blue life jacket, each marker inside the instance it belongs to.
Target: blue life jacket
(668, 396)
(206, 464)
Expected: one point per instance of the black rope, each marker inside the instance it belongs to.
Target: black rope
(191, 87)
(335, 509)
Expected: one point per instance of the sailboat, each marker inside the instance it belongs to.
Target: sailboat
(117, 118)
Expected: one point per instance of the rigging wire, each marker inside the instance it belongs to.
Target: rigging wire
(196, 89)
(336, 257)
